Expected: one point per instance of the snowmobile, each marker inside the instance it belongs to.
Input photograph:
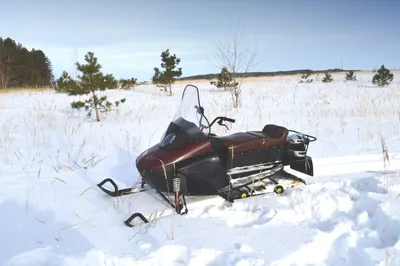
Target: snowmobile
(190, 160)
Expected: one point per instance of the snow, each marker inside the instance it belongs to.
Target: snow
(51, 158)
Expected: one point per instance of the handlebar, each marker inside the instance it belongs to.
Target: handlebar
(229, 119)
(220, 119)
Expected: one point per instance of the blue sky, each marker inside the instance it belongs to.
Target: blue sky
(128, 36)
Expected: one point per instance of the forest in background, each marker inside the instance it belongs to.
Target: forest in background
(20, 67)
(270, 73)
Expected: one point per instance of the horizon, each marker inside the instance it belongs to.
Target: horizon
(129, 36)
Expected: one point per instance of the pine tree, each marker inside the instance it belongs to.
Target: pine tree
(91, 80)
(7, 62)
(64, 83)
(41, 69)
(21, 68)
(383, 77)
(305, 77)
(127, 84)
(350, 76)
(328, 78)
(224, 80)
(166, 78)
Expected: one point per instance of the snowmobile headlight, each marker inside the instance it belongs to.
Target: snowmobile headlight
(163, 136)
(168, 139)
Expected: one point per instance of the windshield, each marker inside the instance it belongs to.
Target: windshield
(191, 110)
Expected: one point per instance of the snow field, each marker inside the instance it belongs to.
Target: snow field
(51, 159)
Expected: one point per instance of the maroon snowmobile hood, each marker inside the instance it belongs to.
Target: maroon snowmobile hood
(155, 157)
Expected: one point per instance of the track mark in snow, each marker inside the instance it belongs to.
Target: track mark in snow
(370, 184)
(354, 164)
(316, 202)
(238, 215)
(351, 219)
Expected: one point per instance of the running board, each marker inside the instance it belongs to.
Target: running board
(251, 168)
(243, 181)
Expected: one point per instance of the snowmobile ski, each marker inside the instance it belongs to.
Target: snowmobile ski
(117, 192)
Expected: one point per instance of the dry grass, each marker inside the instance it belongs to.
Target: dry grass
(189, 81)
(25, 90)
(334, 112)
(388, 184)
(45, 134)
(266, 100)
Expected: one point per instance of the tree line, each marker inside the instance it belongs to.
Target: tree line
(20, 67)
(268, 74)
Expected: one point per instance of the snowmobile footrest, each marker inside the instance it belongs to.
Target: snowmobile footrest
(117, 192)
(133, 216)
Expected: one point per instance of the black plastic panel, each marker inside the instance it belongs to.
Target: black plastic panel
(156, 178)
(204, 175)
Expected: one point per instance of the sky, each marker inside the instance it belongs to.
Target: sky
(128, 36)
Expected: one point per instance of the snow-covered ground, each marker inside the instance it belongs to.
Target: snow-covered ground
(51, 158)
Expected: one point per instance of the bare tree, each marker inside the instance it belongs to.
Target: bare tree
(237, 60)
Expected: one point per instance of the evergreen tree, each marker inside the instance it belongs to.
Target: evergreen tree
(127, 84)
(224, 80)
(21, 68)
(350, 76)
(91, 80)
(328, 78)
(383, 77)
(166, 78)
(41, 71)
(64, 83)
(8, 62)
(305, 77)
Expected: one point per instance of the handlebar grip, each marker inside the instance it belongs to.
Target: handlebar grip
(229, 119)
